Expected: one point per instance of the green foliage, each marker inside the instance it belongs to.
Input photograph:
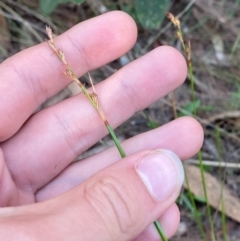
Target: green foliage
(184, 200)
(152, 124)
(130, 9)
(48, 6)
(191, 107)
(200, 199)
(150, 14)
(206, 108)
(207, 168)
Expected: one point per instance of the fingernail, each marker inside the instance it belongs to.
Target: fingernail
(162, 173)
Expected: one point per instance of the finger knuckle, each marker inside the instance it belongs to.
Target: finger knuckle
(114, 203)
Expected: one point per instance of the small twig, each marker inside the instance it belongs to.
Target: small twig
(174, 105)
(215, 163)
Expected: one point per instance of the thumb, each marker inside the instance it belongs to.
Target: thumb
(120, 201)
(116, 204)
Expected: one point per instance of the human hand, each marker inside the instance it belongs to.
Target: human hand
(101, 197)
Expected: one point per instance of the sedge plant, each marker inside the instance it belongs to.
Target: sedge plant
(187, 51)
(93, 98)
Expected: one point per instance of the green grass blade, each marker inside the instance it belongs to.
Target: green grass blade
(190, 69)
(195, 211)
(160, 231)
(122, 153)
(206, 197)
(116, 141)
(223, 215)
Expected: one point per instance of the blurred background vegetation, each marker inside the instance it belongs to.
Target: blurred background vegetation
(212, 27)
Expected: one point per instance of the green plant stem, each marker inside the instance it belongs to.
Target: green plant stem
(200, 157)
(122, 153)
(223, 215)
(190, 68)
(190, 73)
(116, 141)
(160, 231)
(206, 196)
(195, 211)
(223, 219)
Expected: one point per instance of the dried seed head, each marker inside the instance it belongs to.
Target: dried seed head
(170, 16)
(177, 23)
(189, 51)
(69, 73)
(61, 56)
(94, 98)
(52, 45)
(91, 81)
(179, 35)
(174, 20)
(49, 33)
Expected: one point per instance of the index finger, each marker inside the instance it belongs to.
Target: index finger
(32, 76)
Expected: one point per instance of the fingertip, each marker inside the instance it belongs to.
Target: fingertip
(170, 220)
(195, 129)
(166, 69)
(127, 28)
(107, 37)
(119, 28)
(173, 64)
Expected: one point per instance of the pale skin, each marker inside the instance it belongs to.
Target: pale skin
(37, 148)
